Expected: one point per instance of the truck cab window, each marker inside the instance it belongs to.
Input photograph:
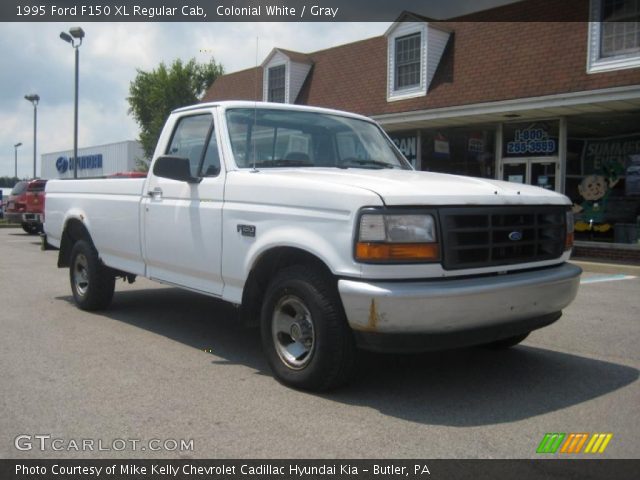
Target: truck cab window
(211, 163)
(188, 140)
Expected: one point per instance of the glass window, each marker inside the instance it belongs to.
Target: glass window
(189, 139)
(604, 184)
(19, 188)
(620, 30)
(282, 138)
(407, 61)
(211, 162)
(461, 151)
(614, 35)
(276, 84)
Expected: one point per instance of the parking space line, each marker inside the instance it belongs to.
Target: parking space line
(606, 278)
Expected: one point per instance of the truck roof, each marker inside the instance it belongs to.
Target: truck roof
(280, 106)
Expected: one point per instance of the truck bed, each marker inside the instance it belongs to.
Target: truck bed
(110, 208)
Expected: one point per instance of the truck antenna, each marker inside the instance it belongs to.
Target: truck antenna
(255, 112)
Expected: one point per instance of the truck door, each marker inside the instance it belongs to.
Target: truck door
(182, 221)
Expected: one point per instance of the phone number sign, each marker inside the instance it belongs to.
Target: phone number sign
(531, 141)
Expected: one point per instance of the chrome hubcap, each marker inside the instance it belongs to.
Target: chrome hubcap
(81, 274)
(292, 332)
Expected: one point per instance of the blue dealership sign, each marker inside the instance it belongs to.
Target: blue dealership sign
(85, 162)
(62, 164)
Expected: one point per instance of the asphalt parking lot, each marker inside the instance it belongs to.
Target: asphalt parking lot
(170, 365)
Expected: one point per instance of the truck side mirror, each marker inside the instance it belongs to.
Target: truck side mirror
(174, 168)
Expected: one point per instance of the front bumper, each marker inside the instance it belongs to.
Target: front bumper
(32, 218)
(459, 311)
(22, 217)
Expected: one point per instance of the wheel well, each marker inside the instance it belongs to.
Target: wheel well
(264, 269)
(74, 230)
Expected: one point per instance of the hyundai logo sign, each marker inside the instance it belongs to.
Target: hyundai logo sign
(85, 162)
(515, 236)
(62, 164)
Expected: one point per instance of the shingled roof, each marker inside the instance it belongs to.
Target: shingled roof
(483, 62)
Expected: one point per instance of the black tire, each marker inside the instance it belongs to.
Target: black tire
(31, 229)
(507, 342)
(92, 283)
(324, 352)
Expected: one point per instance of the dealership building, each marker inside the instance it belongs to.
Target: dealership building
(98, 161)
(553, 104)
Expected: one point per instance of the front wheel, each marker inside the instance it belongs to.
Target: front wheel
(305, 335)
(92, 283)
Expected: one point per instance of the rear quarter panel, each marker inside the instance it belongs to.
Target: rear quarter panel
(108, 208)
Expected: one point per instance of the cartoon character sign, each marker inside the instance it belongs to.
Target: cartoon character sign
(595, 190)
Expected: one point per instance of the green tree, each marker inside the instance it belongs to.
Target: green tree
(153, 95)
(8, 182)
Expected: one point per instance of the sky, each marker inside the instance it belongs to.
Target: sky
(36, 60)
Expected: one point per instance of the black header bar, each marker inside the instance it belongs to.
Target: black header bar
(420, 469)
(77, 11)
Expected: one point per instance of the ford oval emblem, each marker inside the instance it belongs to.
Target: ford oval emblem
(515, 236)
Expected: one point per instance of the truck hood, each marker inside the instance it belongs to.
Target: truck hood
(406, 187)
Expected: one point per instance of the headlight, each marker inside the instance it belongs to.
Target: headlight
(397, 238)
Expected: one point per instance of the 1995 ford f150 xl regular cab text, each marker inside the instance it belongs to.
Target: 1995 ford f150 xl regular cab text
(312, 221)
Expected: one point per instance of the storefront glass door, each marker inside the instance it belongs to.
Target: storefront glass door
(539, 172)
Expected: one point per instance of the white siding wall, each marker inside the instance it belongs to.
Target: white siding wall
(298, 75)
(436, 43)
(134, 153)
(116, 157)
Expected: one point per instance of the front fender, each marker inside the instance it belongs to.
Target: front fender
(332, 246)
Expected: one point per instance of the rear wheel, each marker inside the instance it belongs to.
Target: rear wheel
(507, 342)
(92, 283)
(305, 335)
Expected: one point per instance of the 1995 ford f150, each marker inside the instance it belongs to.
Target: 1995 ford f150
(313, 222)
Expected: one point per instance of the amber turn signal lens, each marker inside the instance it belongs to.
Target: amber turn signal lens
(381, 252)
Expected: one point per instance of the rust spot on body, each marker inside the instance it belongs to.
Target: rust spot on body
(373, 316)
(373, 321)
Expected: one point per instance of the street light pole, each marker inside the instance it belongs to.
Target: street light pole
(75, 117)
(15, 149)
(75, 33)
(34, 98)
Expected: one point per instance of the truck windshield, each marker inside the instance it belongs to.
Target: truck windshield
(268, 138)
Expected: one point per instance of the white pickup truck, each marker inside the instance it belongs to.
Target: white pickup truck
(312, 222)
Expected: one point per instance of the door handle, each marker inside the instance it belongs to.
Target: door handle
(156, 193)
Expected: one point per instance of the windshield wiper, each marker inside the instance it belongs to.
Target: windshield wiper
(284, 163)
(363, 163)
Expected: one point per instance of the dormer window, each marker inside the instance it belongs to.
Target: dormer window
(414, 50)
(614, 35)
(284, 74)
(407, 68)
(276, 88)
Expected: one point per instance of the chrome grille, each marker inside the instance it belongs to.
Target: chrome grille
(476, 237)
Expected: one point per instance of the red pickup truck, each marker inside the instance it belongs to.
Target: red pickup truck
(26, 205)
